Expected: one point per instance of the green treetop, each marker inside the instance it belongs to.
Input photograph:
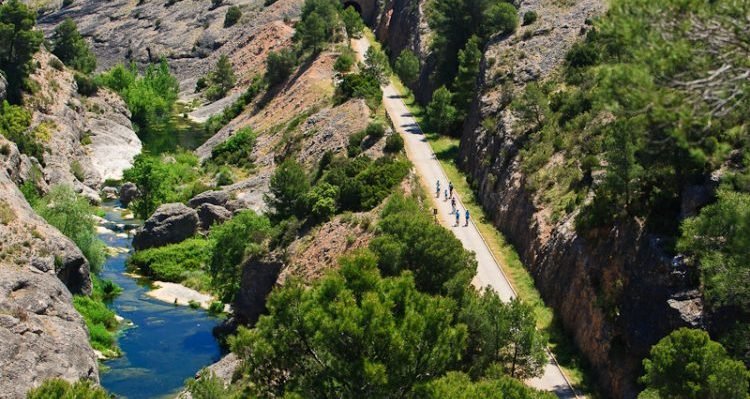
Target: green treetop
(71, 48)
(19, 41)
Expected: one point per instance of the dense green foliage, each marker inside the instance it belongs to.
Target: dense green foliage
(232, 16)
(161, 179)
(411, 240)
(441, 116)
(219, 81)
(280, 65)
(100, 322)
(720, 240)
(686, 364)
(242, 237)
(465, 81)
(57, 388)
(394, 143)
(345, 61)
(456, 385)
(352, 22)
(455, 21)
(529, 17)
(235, 150)
(19, 41)
(352, 334)
(71, 48)
(208, 386)
(72, 215)
(150, 97)
(407, 67)
(376, 64)
(360, 85)
(318, 24)
(14, 125)
(287, 189)
(185, 262)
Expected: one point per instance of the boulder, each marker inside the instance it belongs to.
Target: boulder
(209, 197)
(210, 214)
(109, 193)
(41, 334)
(128, 192)
(170, 224)
(258, 279)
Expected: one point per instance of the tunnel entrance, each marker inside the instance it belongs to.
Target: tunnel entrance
(354, 5)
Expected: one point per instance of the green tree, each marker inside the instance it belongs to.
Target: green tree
(287, 190)
(322, 201)
(502, 334)
(280, 65)
(500, 18)
(686, 364)
(719, 240)
(149, 177)
(465, 81)
(352, 22)
(352, 334)
(221, 79)
(440, 115)
(57, 388)
(232, 16)
(19, 41)
(14, 125)
(457, 385)
(318, 23)
(623, 169)
(73, 216)
(71, 48)
(407, 67)
(242, 237)
(411, 240)
(376, 64)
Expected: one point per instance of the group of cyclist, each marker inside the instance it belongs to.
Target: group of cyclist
(448, 194)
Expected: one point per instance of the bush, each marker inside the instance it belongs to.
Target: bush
(375, 131)
(322, 201)
(171, 262)
(236, 150)
(360, 85)
(394, 143)
(232, 16)
(352, 22)
(220, 80)
(87, 86)
(58, 388)
(355, 144)
(216, 122)
(100, 322)
(344, 62)
(57, 64)
(14, 125)
(529, 17)
(72, 215)
(280, 65)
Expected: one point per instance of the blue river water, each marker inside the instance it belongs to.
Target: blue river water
(165, 344)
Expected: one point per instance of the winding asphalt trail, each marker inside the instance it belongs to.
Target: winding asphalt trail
(489, 272)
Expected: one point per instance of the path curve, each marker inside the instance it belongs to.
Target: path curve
(428, 168)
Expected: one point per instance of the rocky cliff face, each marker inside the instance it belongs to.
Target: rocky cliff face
(613, 290)
(41, 334)
(86, 139)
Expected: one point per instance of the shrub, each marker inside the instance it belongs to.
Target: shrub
(529, 17)
(236, 150)
(360, 85)
(14, 125)
(394, 143)
(232, 16)
(322, 201)
(440, 115)
(216, 307)
(171, 262)
(216, 122)
(99, 320)
(57, 64)
(352, 22)
(375, 130)
(279, 66)
(87, 86)
(287, 190)
(61, 389)
(72, 215)
(355, 144)
(344, 62)
(220, 80)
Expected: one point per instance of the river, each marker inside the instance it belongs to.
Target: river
(162, 344)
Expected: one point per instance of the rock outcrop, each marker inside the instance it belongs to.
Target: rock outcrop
(41, 334)
(224, 369)
(210, 214)
(26, 240)
(614, 290)
(3, 87)
(258, 278)
(219, 198)
(128, 192)
(86, 140)
(170, 224)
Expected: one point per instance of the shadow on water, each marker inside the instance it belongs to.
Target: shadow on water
(165, 345)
